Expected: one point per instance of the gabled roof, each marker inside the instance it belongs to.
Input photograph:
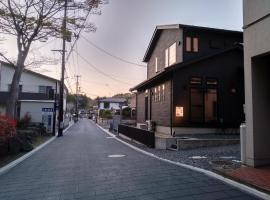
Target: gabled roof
(160, 28)
(35, 73)
(30, 72)
(114, 100)
(178, 66)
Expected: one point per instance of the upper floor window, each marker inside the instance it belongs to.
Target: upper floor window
(211, 82)
(192, 44)
(195, 81)
(156, 65)
(170, 55)
(44, 89)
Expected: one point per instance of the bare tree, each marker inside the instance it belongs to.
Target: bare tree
(39, 20)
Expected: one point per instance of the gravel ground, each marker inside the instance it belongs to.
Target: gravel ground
(199, 157)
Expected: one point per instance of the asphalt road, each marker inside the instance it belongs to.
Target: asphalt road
(84, 164)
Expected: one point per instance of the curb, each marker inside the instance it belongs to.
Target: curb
(235, 184)
(9, 166)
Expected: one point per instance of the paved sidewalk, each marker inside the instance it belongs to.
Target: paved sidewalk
(257, 177)
(78, 166)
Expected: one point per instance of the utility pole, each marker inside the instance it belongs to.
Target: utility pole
(54, 108)
(77, 89)
(61, 100)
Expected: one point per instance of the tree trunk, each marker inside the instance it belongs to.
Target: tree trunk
(14, 91)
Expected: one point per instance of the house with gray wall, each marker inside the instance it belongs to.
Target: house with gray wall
(256, 147)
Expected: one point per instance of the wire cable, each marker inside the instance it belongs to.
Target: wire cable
(108, 53)
(101, 72)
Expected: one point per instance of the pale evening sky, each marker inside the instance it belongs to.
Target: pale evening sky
(124, 30)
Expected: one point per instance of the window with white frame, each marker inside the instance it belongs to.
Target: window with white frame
(156, 65)
(170, 55)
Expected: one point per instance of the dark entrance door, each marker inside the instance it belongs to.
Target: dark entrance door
(146, 108)
(203, 105)
(196, 105)
(210, 105)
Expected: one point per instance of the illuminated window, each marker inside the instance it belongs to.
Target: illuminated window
(195, 81)
(179, 111)
(163, 93)
(192, 44)
(155, 94)
(195, 45)
(211, 81)
(158, 93)
(156, 64)
(188, 44)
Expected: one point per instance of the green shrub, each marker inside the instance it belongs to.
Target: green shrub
(126, 112)
(107, 114)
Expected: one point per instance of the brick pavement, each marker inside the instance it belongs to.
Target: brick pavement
(258, 177)
(77, 166)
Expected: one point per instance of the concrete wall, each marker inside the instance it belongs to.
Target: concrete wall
(254, 10)
(167, 38)
(256, 40)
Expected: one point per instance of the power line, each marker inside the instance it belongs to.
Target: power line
(101, 72)
(108, 53)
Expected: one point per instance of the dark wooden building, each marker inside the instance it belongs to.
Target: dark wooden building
(194, 80)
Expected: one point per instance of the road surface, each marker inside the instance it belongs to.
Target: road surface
(84, 164)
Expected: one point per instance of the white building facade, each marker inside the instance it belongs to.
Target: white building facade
(257, 87)
(36, 96)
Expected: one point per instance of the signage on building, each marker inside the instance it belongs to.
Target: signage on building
(179, 111)
(47, 110)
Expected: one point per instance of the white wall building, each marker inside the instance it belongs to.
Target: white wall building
(111, 103)
(36, 95)
(257, 87)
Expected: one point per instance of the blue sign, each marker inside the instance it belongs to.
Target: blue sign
(47, 110)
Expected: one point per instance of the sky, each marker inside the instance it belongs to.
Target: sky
(124, 30)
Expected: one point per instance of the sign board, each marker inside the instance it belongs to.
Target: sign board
(47, 110)
(179, 111)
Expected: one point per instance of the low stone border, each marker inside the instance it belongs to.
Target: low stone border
(9, 166)
(235, 184)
